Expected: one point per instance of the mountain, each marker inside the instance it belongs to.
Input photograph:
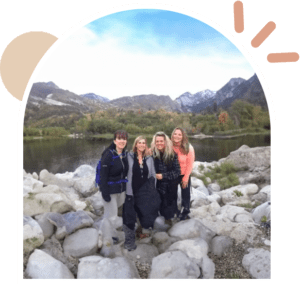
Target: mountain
(187, 100)
(48, 105)
(250, 91)
(93, 96)
(48, 101)
(146, 102)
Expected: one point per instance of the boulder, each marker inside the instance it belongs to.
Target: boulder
(198, 198)
(260, 211)
(221, 244)
(46, 199)
(236, 214)
(252, 159)
(257, 263)
(214, 197)
(213, 187)
(86, 185)
(35, 175)
(260, 177)
(195, 182)
(43, 266)
(263, 196)
(47, 227)
(208, 268)
(70, 222)
(195, 249)
(203, 189)
(224, 223)
(83, 171)
(144, 253)
(33, 235)
(96, 201)
(191, 228)
(83, 242)
(173, 265)
(239, 194)
(162, 241)
(29, 183)
(97, 267)
(51, 179)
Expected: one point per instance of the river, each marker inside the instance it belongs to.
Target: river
(62, 155)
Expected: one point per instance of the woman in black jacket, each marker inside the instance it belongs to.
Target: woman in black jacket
(113, 174)
(167, 173)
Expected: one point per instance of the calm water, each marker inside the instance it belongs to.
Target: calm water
(61, 155)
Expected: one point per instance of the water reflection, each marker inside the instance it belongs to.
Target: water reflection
(59, 156)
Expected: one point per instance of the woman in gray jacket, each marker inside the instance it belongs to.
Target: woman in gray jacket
(142, 199)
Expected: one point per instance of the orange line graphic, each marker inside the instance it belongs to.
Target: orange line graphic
(238, 16)
(283, 57)
(263, 34)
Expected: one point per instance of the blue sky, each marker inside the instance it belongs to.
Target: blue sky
(145, 52)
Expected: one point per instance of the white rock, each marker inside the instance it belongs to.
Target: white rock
(29, 183)
(208, 268)
(221, 244)
(214, 197)
(77, 245)
(213, 187)
(43, 266)
(33, 235)
(195, 182)
(203, 189)
(47, 227)
(263, 196)
(229, 196)
(144, 252)
(195, 249)
(262, 210)
(199, 198)
(191, 228)
(35, 176)
(46, 199)
(86, 185)
(173, 265)
(79, 205)
(258, 263)
(51, 179)
(84, 170)
(96, 267)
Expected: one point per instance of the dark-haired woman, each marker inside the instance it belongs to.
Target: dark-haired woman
(113, 173)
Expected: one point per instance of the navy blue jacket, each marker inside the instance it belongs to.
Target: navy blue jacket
(114, 168)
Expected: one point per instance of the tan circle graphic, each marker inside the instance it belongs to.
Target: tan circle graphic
(20, 58)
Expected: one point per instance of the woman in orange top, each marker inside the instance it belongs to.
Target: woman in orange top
(186, 157)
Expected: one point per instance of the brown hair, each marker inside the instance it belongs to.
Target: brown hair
(121, 134)
(184, 146)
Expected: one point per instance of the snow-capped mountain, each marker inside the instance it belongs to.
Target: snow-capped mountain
(93, 96)
(188, 100)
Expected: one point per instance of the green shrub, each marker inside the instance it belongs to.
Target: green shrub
(263, 219)
(227, 168)
(238, 193)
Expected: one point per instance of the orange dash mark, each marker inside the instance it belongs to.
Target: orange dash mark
(283, 57)
(238, 16)
(263, 34)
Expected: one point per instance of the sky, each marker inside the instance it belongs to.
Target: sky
(140, 52)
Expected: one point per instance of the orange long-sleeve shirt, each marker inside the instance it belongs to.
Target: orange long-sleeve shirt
(186, 161)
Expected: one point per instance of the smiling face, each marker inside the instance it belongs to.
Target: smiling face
(160, 143)
(120, 144)
(177, 137)
(141, 145)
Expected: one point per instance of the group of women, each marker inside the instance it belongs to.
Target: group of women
(145, 180)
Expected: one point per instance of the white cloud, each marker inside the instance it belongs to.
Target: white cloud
(109, 67)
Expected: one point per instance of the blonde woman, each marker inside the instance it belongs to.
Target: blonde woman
(167, 173)
(142, 199)
(186, 157)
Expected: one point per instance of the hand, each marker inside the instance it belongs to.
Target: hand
(106, 197)
(184, 184)
(159, 176)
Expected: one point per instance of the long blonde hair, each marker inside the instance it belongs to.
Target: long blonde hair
(184, 146)
(168, 151)
(134, 147)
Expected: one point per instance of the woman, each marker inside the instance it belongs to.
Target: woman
(167, 173)
(186, 157)
(142, 199)
(113, 172)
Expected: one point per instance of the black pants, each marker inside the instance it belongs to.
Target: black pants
(168, 206)
(186, 197)
(131, 212)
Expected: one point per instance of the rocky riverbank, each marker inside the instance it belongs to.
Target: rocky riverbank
(228, 235)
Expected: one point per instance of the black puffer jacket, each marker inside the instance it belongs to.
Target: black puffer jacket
(114, 168)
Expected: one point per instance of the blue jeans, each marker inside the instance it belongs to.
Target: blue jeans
(186, 197)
